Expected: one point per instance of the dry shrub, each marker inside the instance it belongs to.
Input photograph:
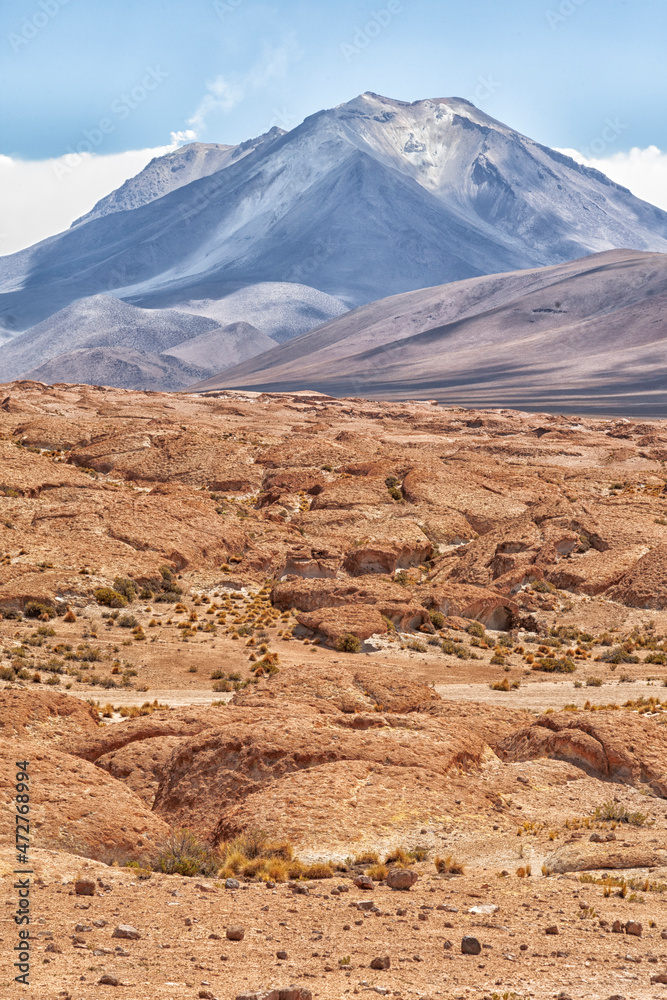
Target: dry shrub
(377, 872)
(367, 858)
(320, 869)
(448, 866)
(184, 854)
(399, 856)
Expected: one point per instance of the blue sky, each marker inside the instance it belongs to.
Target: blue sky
(225, 70)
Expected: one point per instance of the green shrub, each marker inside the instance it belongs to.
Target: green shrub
(659, 658)
(476, 629)
(35, 609)
(128, 621)
(110, 597)
(348, 643)
(614, 812)
(437, 619)
(618, 655)
(543, 587)
(184, 854)
(126, 587)
(550, 665)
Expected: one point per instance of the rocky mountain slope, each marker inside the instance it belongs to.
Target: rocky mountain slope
(587, 336)
(171, 171)
(361, 201)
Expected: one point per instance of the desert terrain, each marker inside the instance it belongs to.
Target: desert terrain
(271, 656)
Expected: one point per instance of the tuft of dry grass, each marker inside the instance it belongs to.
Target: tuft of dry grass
(377, 872)
(319, 869)
(448, 865)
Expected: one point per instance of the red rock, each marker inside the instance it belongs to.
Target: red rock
(75, 805)
(623, 746)
(45, 715)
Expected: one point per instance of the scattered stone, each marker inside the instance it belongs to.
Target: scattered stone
(364, 882)
(401, 878)
(470, 946)
(485, 910)
(206, 995)
(53, 947)
(381, 963)
(289, 993)
(84, 887)
(551, 930)
(634, 928)
(617, 927)
(108, 980)
(448, 945)
(126, 931)
(235, 933)
(82, 928)
(282, 955)
(660, 978)
(232, 883)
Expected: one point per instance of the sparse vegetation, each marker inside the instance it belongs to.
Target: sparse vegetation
(110, 598)
(184, 854)
(348, 643)
(612, 811)
(554, 665)
(448, 866)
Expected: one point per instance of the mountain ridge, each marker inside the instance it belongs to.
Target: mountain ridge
(586, 336)
(445, 191)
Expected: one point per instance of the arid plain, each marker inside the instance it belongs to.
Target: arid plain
(333, 640)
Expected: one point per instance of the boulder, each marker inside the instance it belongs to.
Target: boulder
(401, 878)
(583, 856)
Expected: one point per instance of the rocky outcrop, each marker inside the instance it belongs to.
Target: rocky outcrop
(45, 715)
(108, 740)
(75, 806)
(584, 857)
(645, 584)
(207, 774)
(617, 745)
(477, 603)
(347, 689)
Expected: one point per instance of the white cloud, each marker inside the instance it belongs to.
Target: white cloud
(185, 135)
(644, 171)
(221, 95)
(41, 197)
(224, 94)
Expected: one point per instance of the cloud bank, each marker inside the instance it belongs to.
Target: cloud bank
(643, 171)
(39, 198)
